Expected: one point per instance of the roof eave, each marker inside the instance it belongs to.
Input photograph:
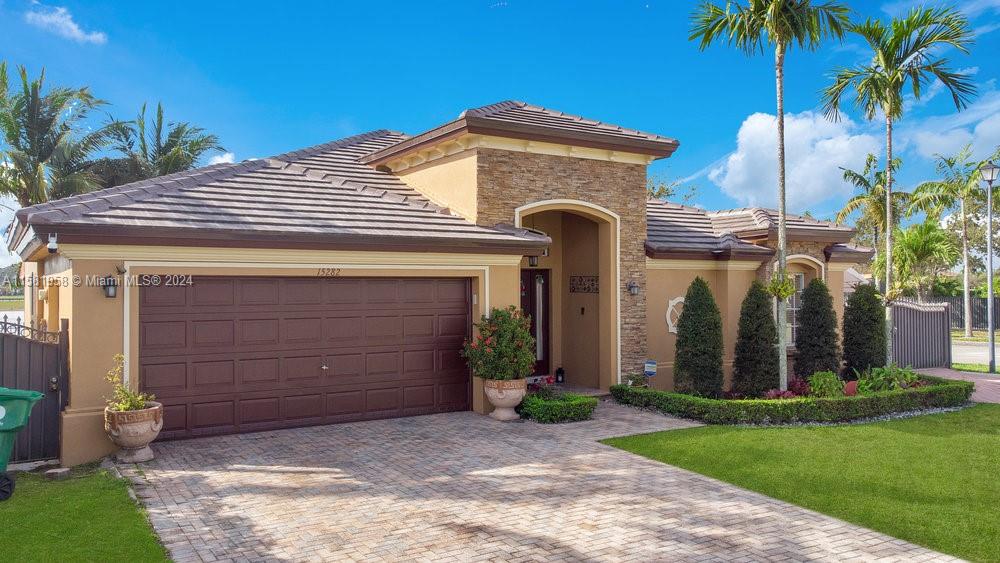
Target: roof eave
(667, 253)
(103, 234)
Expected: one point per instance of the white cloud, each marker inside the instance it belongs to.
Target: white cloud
(978, 124)
(58, 20)
(815, 149)
(226, 157)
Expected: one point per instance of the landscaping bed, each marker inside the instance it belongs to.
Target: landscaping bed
(935, 393)
(547, 406)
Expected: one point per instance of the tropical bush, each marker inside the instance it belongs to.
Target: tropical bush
(864, 331)
(122, 398)
(825, 384)
(887, 378)
(698, 360)
(934, 393)
(816, 346)
(502, 347)
(550, 407)
(755, 366)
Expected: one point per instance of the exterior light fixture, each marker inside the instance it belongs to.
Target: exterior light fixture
(632, 287)
(988, 171)
(110, 286)
(533, 261)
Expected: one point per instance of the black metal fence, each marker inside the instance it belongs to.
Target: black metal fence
(921, 335)
(978, 311)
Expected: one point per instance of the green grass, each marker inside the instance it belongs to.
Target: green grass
(931, 480)
(88, 517)
(977, 336)
(979, 368)
(12, 304)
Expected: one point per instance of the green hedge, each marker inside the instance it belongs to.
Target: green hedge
(939, 393)
(564, 407)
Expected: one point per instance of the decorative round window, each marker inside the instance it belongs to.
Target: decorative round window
(674, 308)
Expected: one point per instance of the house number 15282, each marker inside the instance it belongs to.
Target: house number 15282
(328, 272)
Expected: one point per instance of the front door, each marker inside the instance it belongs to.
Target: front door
(535, 304)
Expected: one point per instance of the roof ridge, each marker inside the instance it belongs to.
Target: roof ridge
(335, 144)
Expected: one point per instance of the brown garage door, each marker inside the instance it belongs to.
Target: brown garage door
(239, 354)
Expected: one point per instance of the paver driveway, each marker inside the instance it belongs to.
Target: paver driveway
(461, 487)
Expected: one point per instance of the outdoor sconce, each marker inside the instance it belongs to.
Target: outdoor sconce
(632, 287)
(110, 286)
(533, 261)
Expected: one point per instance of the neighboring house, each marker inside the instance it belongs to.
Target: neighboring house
(338, 282)
(854, 278)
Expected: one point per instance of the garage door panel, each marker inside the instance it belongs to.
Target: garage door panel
(242, 354)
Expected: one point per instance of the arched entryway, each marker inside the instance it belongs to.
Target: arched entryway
(574, 290)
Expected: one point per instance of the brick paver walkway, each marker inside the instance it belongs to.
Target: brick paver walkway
(462, 487)
(987, 386)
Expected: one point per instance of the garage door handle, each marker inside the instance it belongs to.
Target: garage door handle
(324, 368)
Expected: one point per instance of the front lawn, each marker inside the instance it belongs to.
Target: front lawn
(977, 368)
(88, 517)
(932, 480)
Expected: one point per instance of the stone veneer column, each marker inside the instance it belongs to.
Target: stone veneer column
(508, 179)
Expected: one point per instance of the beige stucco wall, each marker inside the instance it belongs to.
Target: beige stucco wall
(449, 182)
(580, 311)
(97, 323)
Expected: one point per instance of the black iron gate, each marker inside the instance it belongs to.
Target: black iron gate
(34, 358)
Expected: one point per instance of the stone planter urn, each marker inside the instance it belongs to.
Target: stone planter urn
(132, 431)
(504, 395)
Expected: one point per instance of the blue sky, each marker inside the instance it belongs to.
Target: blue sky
(270, 78)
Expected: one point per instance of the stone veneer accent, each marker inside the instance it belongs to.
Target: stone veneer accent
(507, 180)
(814, 249)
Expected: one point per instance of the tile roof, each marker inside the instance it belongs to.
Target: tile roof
(521, 120)
(757, 221)
(675, 231)
(320, 194)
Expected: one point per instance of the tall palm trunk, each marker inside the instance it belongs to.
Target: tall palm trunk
(888, 234)
(779, 76)
(966, 298)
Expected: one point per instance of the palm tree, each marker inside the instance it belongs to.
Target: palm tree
(923, 251)
(905, 52)
(41, 158)
(754, 28)
(159, 148)
(871, 201)
(957, 191)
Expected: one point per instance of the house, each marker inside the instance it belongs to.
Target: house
(338, 282)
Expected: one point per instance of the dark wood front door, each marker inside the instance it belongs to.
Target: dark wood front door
(238, 354)
(535, 303)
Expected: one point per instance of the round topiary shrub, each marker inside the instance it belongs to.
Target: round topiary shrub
(816, 345)
(698, 359)
(755, 367)
(864, 331)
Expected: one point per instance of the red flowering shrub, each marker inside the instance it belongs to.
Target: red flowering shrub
(798, 386)
(502, 347)
(779, 394)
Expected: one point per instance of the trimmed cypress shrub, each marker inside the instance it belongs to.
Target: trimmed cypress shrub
(698, 360)
(816, 345)
(755, 367)
(864, 331)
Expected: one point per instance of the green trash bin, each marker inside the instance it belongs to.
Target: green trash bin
(15, 406)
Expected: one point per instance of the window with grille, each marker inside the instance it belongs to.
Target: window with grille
(794, 305)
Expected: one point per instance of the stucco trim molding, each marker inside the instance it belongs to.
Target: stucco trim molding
(587, 207)
(671, 307)
(669, 264)
(805, 259)
(470, 141)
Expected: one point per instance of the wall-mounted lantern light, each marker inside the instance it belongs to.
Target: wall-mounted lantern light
(110, 286)
(533, 261)
(632, 287)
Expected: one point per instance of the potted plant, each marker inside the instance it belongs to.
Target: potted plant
(131, 419)
(502, 353)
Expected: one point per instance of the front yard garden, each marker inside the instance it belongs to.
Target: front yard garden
(931, 480)
(88, 517)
